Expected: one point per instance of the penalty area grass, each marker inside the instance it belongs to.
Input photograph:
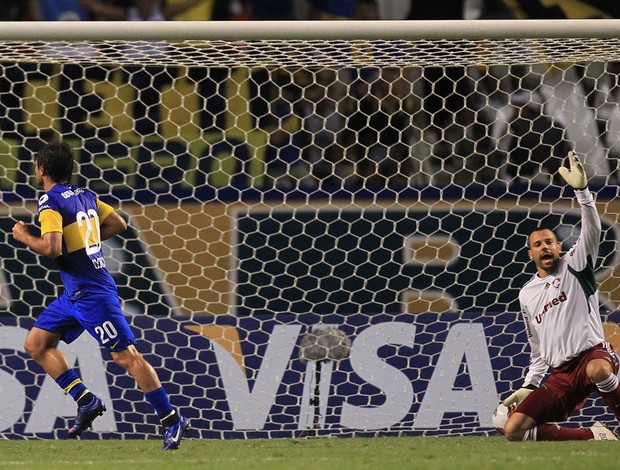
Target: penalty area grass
(383, 453)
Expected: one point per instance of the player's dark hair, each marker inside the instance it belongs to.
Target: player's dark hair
(56, 161)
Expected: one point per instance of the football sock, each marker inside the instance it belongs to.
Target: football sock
(161, 404)
(610, 392)
(86, 398)
(170, 420)
(72, 384)
(553, 432)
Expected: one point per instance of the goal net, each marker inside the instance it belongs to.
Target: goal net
(327, 221)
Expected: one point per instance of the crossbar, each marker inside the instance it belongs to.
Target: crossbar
(282, 30)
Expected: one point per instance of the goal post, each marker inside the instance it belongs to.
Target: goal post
(354, 191)
(308, 30)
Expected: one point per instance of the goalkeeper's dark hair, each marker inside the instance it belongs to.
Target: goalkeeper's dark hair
(56, 161)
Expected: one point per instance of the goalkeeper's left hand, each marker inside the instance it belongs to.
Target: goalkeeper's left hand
(576, 175)
(518, 396)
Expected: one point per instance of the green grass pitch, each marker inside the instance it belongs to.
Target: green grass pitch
(415, 453)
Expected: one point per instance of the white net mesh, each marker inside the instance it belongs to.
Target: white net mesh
(274, 185)
(316, 53)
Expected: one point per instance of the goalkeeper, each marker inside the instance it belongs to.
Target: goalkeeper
(561, 313)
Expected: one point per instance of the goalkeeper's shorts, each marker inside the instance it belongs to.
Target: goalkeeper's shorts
(567, 388)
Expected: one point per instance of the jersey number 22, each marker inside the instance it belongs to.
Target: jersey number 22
(85, 218)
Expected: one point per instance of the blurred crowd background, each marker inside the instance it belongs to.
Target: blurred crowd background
(205, 10)
(404, 127)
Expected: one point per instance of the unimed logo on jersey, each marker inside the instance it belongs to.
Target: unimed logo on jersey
(35, 281)
(549, 305)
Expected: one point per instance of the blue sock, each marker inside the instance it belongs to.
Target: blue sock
(72, 384)
(160, 402)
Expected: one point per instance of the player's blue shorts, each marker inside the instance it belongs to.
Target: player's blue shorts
(98, 313)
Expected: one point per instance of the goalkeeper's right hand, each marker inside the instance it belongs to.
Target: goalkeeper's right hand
(575, 175)
(518, 396)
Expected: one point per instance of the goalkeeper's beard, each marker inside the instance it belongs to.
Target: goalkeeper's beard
(548, 263)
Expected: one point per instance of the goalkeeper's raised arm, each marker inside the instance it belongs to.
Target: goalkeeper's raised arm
(560, 310)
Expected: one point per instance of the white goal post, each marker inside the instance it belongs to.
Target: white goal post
(308, 30)
(353, 191)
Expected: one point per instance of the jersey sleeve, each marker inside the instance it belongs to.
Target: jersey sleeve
(103, 210)
(538, 367)
(51, 221)
(49, 217)
(537, 370)
(586, 247)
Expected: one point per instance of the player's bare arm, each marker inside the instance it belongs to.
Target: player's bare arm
(50, 244)
(112, 225)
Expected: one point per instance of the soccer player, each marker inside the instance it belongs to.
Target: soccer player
(74, 222)
(561, 313)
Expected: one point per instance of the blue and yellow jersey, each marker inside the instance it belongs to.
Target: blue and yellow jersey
(77, 214)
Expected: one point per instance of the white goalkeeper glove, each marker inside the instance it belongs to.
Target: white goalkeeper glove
(576, 175)
(518, 396)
